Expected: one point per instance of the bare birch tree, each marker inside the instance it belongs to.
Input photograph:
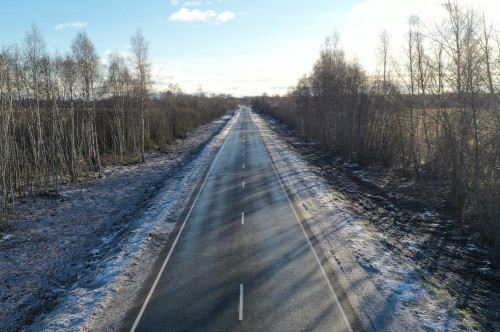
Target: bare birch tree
(87, 64)
(140, 50)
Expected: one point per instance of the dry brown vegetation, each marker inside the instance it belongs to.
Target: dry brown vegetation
(59, 114)
(434, 115)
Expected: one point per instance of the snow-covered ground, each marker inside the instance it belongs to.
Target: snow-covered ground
(77, 262)
(120, 276)
(387, 291)
(97, 242)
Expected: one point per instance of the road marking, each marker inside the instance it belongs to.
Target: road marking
(325, 277)
(240, 306)
(243, 183)
(243, 218)
(243, 165)
(148, 298)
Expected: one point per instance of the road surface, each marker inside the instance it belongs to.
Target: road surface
(241, 261)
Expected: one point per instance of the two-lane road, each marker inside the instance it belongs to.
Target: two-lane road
(241, 261)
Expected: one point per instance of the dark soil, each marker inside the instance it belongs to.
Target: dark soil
(417, 221)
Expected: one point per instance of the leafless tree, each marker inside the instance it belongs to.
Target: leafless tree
(140, 50)
(443, 105)
(87, 65)
(58, 115)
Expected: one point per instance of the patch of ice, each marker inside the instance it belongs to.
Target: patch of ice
(66, 194)
(109, 238)
(472, 247)
(483, 270)
(405, 290)
(439, 326)
(358, 230)
(409, 243)
(6, 237)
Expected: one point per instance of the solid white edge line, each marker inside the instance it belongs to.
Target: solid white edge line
(151, 291)
(325, 277)
(240, 306)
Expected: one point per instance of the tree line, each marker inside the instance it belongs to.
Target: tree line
(433, 114)
(61, 114)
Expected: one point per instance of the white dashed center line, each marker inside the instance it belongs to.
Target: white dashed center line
(240, 306)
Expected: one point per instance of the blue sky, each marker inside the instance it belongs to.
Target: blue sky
(226, 46)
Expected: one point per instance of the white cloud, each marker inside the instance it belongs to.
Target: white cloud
(121, 54)
(124, 54)
(71, 25)
(196, 15)
(226, 16)
(174, 2)
(192, 3)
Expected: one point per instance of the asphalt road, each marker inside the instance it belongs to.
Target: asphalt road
(241, 261)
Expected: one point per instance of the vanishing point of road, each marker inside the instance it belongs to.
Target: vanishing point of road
(241, 260)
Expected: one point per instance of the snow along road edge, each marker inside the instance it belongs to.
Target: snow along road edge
(311, 247)
(386, 292)
(185, 219)
(120, 277)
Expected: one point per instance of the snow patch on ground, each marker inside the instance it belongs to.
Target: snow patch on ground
(119, 278)
(76, 261)
(387, 291)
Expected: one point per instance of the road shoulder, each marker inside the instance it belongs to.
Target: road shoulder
(100, 303)
(386, 291)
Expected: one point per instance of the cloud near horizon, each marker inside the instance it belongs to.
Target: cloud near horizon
(71, 25)
(226, 16)
(193, 3)
(196, 15)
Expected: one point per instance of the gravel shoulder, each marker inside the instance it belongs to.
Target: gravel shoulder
(74, 262)
(388, 290)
